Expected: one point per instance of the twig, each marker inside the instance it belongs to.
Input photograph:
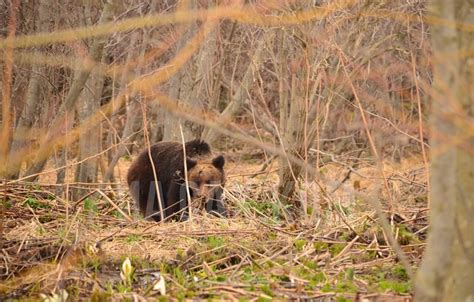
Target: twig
(114, 205)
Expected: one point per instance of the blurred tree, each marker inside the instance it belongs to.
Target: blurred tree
(7, 82)
(88, 104)
(182, 85)
(133, 106)
(298, 71)
(237, 101)
(293, 114)
(447, 270)
(29, 113)
(78, 84)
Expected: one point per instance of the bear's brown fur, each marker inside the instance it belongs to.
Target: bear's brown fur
(205, 177)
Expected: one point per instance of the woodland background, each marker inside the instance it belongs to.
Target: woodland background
(320, 107)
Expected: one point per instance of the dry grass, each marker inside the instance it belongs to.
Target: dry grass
(339, 252)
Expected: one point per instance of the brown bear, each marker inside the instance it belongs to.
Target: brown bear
(206, 179)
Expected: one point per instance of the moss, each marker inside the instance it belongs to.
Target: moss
(267, 290)
(299, 244)
(215, 242)
(117, 214)
(90, 206)
(179, 276)
(422, 199)
(388, 279)
(316, 280)
(248, 274)
(315, 277)
(405, 236)
(93, 263)
(350, 274)
(346, 236)
(133, 239)
(98, 296)
(336, 248)
(40, 230)
(320, 246)
(47, 218)
(180, 254)
(311, 264)
(35, 204)
(326, 288)
(7, 204)
(281, 278)
(346, 287)
(400, 273)
(395, 286)
(343, 283)
(220, 278)
(270, 209)
(272, 235)
(342, 299)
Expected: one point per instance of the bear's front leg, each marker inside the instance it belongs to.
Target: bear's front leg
(177, 206)
(215, 204)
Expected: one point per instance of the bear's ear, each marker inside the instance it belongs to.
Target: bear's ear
(190, 163)
(218, 162)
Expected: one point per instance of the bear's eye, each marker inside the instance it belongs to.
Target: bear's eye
(208, 182)
(198, 183)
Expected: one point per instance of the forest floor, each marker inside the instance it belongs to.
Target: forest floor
(337, 252)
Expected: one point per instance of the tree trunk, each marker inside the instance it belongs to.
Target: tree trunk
(7, 79)
(238, 99)
(293, 93)
(293, 142)
(69, 103)
(133, 111)
(28, 114)
(186, 86)
(60, 162)
(181, 83)
(132, 108)
(89, 141)
(447, 270)
(114, 154)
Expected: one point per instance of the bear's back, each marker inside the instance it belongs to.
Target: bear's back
(167, 158)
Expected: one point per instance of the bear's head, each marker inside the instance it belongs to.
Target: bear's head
(205, 178)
